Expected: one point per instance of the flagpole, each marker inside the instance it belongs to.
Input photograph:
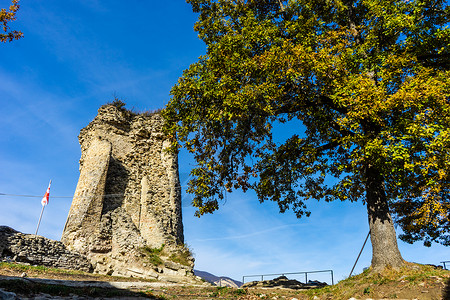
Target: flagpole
(44, 202)
(40, 217)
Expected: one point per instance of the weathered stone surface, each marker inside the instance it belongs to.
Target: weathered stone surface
(37, 250)
(4, 295)
(128, 196)
(86, 209)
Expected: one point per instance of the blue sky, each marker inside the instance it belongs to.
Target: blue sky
(76, 56)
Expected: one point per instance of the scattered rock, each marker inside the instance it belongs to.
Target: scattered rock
(436, 278)
(4, 295)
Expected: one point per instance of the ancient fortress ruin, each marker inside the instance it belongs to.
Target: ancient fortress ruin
(127, 204)
(125, 217)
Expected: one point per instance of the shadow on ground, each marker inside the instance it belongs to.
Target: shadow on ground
(447, 290)
(23, 287)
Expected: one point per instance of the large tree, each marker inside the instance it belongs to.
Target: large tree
(7, 16)
(368, 79)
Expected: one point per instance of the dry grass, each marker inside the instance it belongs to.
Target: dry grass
(412, 282)
(15, 269)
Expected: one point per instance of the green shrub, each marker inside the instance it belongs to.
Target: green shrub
(240, 292)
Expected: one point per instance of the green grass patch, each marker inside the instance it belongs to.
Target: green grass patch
(38, 269)
(240, 292)
(45, 272)
(182, 256)
(367, 290)
(154, 254)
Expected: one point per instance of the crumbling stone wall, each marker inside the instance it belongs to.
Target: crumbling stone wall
(128, 195)
(37, 250)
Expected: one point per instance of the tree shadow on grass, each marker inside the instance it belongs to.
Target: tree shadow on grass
(446, 294)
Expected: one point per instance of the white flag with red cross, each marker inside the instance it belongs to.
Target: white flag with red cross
(45, 199)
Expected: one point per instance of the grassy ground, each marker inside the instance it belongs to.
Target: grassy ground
(13, 269)
(412, 282)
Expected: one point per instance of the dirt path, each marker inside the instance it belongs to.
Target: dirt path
(126, 285)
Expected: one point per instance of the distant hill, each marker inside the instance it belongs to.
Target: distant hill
(219, 281)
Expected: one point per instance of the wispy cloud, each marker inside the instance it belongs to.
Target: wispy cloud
(242, 236)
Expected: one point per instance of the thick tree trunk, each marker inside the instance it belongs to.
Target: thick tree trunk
(382, 233)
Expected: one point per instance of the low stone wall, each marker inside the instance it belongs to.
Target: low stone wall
(37, 250)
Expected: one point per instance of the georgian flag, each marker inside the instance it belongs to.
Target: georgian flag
(44, 200)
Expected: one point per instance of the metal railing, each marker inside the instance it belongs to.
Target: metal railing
(444, 262)
(295, 273)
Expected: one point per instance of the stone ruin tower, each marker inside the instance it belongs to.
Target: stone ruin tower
(128, 197)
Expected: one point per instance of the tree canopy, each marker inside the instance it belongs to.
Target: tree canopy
(368, 79)
(7, 16)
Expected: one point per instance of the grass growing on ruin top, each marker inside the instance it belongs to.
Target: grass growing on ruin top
(120, 105)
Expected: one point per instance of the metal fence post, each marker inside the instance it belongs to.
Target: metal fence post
(365, 241)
